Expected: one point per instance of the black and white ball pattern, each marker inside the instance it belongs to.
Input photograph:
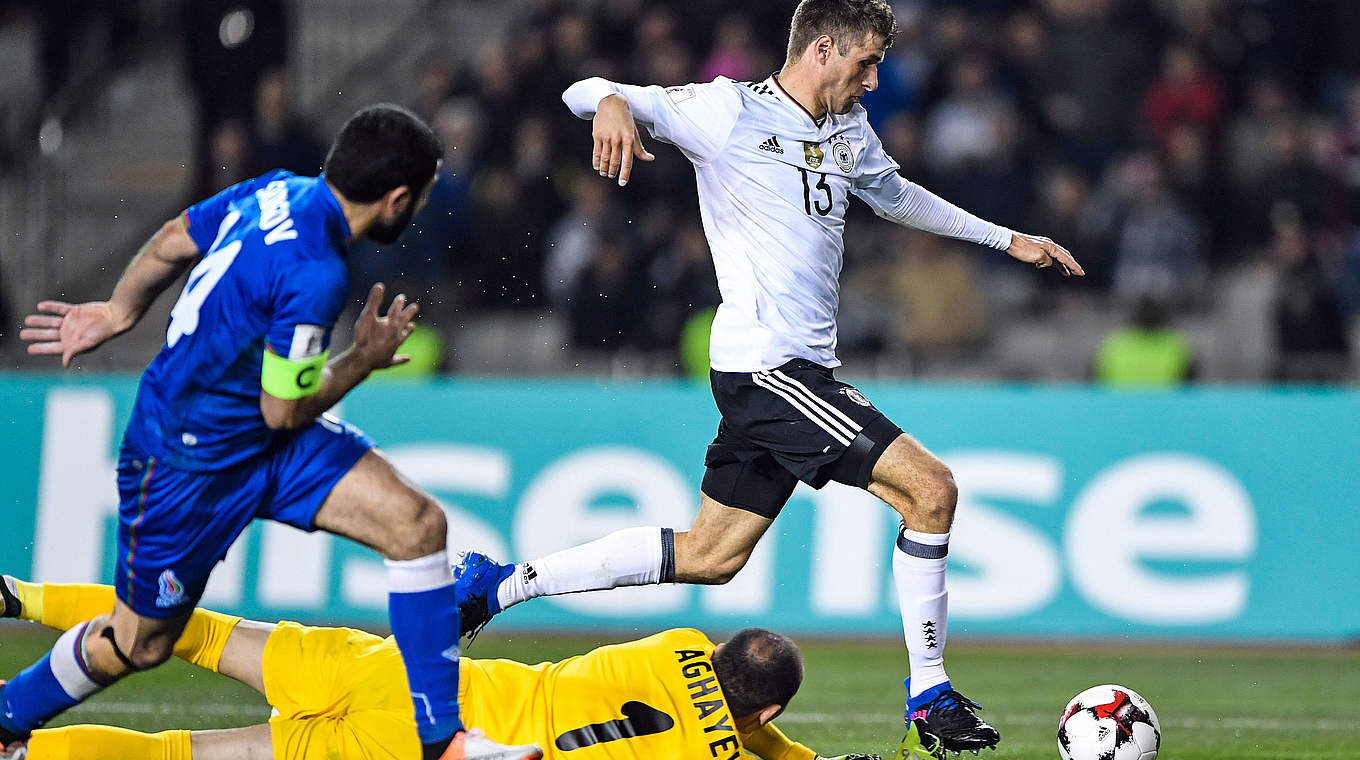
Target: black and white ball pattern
(1108, 722)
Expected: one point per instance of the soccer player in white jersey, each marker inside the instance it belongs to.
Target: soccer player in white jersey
(777, 162)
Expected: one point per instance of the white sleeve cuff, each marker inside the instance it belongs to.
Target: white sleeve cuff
(583, 97)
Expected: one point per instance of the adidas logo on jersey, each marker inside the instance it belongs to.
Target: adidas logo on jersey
(772, 145)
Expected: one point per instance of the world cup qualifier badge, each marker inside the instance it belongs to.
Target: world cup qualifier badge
(843, 154)
(812, 153)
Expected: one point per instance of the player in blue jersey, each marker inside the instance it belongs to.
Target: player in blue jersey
(229, 423)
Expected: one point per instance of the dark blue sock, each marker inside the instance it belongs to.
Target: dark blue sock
(425, 625)
(44, 691)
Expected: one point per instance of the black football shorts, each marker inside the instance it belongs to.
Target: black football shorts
(794, 422)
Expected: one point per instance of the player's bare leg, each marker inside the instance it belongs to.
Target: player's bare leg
(220, 643)
(922, 490)
(123, 642)
(250, 743)
(378, 507)
(242, 660)
(712, 551)
(718, 544)
(85, 660)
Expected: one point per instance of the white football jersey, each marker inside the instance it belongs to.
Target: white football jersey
(774, 186)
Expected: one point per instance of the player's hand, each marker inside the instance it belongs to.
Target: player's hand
(1043, 253)
(69, 329)
(617, 140)
(376, 338)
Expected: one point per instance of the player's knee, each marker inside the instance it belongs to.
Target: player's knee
(941, 492)
(111, 658)
(422, 529)
(150, 654)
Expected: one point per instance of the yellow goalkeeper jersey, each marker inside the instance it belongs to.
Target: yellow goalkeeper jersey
(652, 699)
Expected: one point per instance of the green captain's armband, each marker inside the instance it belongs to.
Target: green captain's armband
(291, 378)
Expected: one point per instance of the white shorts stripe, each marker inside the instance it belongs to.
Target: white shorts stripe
(835, 413)
(834, 429)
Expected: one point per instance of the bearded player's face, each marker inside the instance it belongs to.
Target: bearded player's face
(387, 231)
(853, 72)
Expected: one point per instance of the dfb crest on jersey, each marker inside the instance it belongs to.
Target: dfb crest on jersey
(854, 395)
(843, 154)
(812, 153)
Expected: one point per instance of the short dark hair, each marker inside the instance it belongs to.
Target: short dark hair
(381, 148)
(757, 668)
(848, 22)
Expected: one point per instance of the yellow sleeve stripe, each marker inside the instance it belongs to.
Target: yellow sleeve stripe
(291, 378)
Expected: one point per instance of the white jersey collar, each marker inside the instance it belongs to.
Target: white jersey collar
(783, 96)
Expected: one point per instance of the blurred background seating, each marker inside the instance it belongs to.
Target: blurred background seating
(1202, 155)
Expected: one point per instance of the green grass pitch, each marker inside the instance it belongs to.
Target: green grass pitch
(1214, 703)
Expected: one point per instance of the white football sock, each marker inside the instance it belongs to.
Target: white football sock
(918, 572)
(630, 557)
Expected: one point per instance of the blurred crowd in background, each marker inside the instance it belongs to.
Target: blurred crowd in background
(1166, 143)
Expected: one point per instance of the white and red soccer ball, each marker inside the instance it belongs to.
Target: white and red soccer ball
(1108, 722)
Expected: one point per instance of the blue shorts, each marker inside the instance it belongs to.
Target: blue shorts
(175, 525)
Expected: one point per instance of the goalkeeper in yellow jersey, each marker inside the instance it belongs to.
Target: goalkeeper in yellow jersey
(341, 694)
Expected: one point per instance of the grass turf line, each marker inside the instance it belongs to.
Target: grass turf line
(1214, 704)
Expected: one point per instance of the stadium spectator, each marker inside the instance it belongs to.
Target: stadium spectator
(1179, 105)
(283, 140)
(229, 45)
(734, 55)
(1193, 177)
(1310, 330)
(437, 77)
(1145, 353)
(1065, 206)
(572, 243)
(66, 26)
(1186, 92)
(1348, 146)
(230, 155)
(937, 295)
(1098, 66)
(607, 309)
(681, 283)
(421, 263)
(502, 267)
(966, 127)
(1290, 178)
(1268, 101)
(1161, 246)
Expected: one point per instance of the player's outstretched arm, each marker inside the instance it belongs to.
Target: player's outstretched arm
(769, 743)
(66, 329)
(376, 339)
(696, 118)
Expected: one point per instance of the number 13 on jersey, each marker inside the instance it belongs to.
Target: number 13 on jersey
(813, 194)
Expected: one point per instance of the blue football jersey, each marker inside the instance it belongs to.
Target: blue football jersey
(273, 277)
